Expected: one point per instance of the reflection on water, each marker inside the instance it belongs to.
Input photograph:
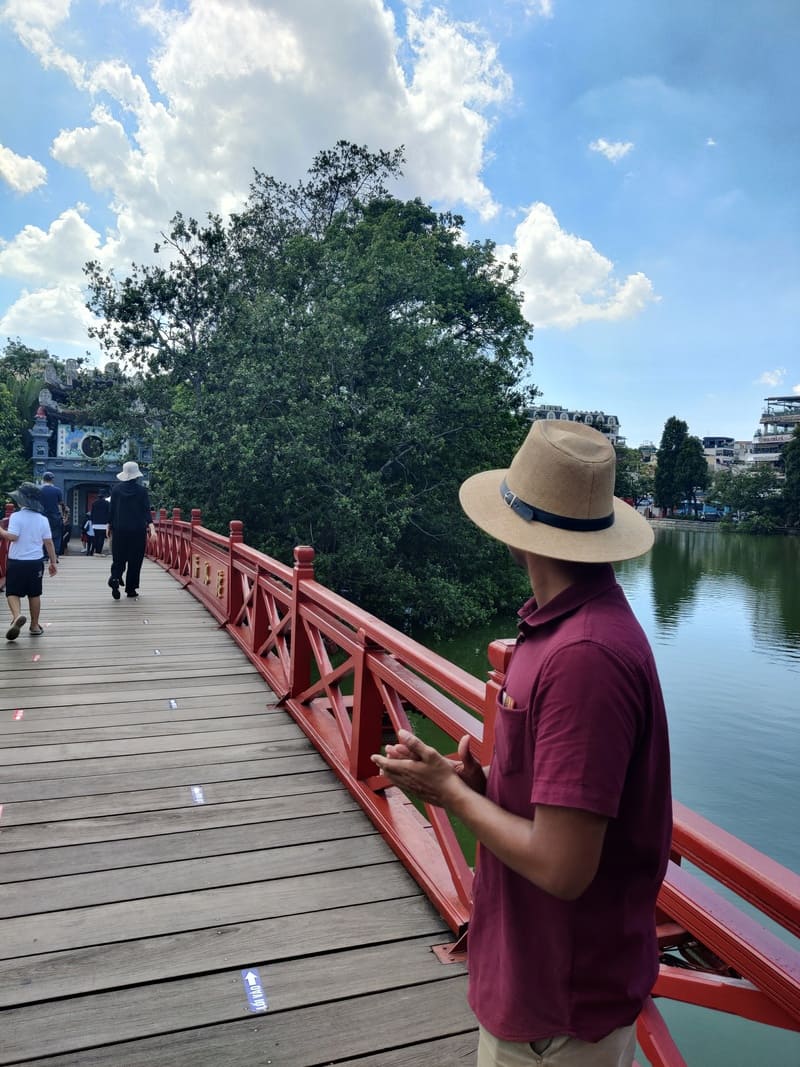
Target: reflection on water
(723, 616)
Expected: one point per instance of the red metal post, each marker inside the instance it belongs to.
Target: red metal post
(499, 654)
(367, 714)
(234, 597)
(301, 655)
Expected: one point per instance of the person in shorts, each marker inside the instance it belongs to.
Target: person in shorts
(30, 536)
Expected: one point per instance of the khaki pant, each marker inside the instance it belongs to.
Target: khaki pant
(615, 1050)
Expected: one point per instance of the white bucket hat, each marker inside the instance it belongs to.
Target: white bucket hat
(130, 470)
(557, 498)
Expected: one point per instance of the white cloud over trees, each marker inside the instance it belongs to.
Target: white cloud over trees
(266, 84)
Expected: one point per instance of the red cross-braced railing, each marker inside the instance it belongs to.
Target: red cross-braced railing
(351, 681)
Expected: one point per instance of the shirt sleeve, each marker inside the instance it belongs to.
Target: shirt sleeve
(586, 722)
(13, 522)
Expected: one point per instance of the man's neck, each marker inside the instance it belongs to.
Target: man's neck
(549, 577)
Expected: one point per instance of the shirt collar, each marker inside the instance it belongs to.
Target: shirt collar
(568, 600)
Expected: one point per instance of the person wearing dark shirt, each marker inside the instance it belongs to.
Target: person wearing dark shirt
(130, 524)
(101, 510)
(51, 497)
(574, 816)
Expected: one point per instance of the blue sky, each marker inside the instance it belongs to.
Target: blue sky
(640, 157)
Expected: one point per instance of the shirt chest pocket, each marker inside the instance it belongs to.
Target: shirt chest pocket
(509, 738)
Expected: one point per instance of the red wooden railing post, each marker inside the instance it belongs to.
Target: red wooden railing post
(367, 714)
(195, 520)
(499, 654)
(301, 657)
(235, 594)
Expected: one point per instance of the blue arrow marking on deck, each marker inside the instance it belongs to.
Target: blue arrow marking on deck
(256, 999)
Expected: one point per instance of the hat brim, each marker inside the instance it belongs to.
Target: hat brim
(628, 537)
(123, 477)
(22, 500)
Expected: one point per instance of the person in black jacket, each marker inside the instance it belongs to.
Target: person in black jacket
(101, 509)
(130, 525)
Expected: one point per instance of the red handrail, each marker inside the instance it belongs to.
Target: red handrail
(350, 680)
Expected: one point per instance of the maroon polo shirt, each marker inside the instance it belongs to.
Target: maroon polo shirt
(587, 730)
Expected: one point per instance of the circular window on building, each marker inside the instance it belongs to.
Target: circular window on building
(92, 446)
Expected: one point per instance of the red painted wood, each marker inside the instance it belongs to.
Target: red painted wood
(289, 626)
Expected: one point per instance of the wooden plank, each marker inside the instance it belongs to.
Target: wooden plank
(124, 780)
(43, 719)
(107, 923)
(208, 696)
(24, 772)
(208, 999)
(24, 737)
(181, 820)
(166, 848)
(129, 693)
(272, 860)
(304, 1037)
(276, 731)
(458, 1051)
(152, 959)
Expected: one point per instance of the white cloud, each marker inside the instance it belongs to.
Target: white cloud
(34, 22)
(710, 142)
(772, 377)
(23, 173)
(565, 280)
(614, 151)
(796, 389)
(57, 315)
(55, 255)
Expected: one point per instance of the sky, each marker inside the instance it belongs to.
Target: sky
(641, 157)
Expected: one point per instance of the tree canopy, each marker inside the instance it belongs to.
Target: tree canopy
(682, 467)
(328, 366)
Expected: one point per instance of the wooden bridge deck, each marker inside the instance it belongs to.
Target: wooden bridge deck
(165, 832)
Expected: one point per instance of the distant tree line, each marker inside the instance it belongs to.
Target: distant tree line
(756, 498)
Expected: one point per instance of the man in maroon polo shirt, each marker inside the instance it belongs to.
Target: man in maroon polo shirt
(575, 815)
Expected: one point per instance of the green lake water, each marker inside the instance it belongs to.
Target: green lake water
(722, 612)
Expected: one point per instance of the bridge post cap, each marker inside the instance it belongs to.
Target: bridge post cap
(499, 654)
(304, 554)
(176, 513)
(196, 516)
(236, 527)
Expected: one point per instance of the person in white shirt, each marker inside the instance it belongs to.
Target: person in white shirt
(30, 536)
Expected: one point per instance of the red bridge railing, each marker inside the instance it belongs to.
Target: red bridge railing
(350, 681)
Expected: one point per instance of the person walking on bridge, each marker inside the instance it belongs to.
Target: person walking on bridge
(574, 816)
(51, 499)
(30, 537)
(130, 523)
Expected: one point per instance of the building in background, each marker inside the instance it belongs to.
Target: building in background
(780, 416)
(719, 452)
(608, 425)
(83, 462)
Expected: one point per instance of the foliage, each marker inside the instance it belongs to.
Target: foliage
(328, 367)
(634, 479)
(682, 468)
(747, 492)
(13, 465)
(791, 487)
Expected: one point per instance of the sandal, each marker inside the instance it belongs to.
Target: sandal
(37, 632)
(12, 633)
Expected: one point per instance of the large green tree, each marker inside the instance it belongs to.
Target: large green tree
(682, 469)
(328, 366)
(634, 478)
(791, 487)
(13, 464)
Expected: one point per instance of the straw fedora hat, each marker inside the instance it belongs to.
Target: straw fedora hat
(557, 498)
(130, 470)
